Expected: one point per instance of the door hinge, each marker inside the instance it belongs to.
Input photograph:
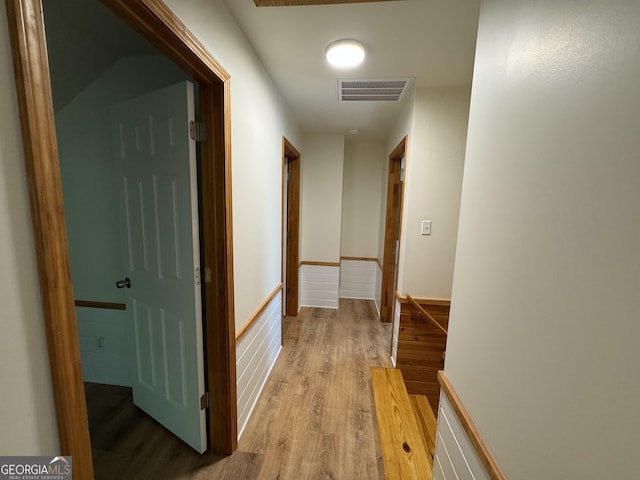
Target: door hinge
(204, 401)
(198, 131)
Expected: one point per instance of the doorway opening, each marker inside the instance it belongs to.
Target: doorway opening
(392, 231)
(162, 28)
(291, 226)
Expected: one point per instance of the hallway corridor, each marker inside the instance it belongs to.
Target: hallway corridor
(314, 419)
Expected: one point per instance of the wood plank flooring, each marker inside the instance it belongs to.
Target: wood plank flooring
(404, 450)
(315, 418)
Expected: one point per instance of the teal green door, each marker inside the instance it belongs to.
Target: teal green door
(157, 181)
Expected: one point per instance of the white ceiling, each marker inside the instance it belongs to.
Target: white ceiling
(431, 40)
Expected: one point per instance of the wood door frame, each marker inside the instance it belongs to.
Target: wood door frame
(291, 247)
(393, 217)
(156, 22)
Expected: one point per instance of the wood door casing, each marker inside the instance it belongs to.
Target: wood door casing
(156, 22)
(392, 230)
(291, 247)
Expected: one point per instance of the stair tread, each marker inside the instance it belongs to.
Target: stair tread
(405, 452)
(427, 420)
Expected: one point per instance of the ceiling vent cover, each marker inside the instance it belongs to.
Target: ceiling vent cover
(373, 90)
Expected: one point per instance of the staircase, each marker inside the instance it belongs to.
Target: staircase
(406, 426)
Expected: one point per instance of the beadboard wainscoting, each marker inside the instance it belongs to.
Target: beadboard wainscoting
(105, 346)
(378, 297)
(455, 455)
(319, 284)
(358, 278)
(461, 452)
(395, 332)
(257, 349)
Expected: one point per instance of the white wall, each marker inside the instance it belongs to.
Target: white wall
(435, 121)
(364, 168)
(27, 416)
(543, 339)
(259, 120)
(321, 197)
(435, 159)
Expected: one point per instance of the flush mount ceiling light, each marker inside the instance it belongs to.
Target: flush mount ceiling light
(345, 53)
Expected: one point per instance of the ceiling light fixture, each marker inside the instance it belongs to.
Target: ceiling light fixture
(345, 53)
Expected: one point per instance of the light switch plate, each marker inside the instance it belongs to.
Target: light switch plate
(425, 227)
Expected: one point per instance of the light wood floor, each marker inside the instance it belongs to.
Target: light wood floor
(315, 418)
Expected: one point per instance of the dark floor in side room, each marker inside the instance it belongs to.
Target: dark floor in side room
(314, 419)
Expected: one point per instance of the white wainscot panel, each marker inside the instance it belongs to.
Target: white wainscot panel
(378, 298)
(358, 279)
(256, 352)
(455, 458)
(395, 333)
(105, 345)
(319, 286)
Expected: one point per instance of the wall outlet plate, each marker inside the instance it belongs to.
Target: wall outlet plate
(425, 227)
